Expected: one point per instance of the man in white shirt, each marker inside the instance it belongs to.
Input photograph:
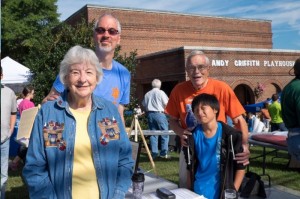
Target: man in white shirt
(155, 102)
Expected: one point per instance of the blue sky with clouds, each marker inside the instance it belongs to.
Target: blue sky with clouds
(284, 14)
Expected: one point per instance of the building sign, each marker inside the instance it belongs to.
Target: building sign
(252, 63)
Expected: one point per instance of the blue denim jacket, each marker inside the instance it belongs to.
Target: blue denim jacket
(48, 170)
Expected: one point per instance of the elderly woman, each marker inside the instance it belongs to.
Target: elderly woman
(78, 147)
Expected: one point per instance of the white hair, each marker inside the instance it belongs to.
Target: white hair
(194, 53)
(156, 83)
(78, 55)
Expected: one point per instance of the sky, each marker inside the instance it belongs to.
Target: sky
(284, 14)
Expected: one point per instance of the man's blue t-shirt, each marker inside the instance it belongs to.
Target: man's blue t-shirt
(115, 85)
(207, 177)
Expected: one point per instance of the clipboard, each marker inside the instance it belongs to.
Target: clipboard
(25, 125)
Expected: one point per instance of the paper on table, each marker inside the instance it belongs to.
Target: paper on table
(180, 193)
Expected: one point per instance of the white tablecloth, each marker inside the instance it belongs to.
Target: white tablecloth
(152, 183)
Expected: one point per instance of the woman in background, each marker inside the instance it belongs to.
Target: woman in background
(26, 103)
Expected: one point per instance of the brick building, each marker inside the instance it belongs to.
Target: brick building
(153, 31)
(240, 50)
(241, 68)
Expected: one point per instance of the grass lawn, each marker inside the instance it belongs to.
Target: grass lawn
(15, 188)
(168, 169)
(277, 169)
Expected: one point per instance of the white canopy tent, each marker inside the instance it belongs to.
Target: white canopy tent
(13, 72)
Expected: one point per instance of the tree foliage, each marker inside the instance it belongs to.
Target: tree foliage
(44, 58)
(22, 23)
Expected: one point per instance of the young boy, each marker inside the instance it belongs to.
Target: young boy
(214, 145)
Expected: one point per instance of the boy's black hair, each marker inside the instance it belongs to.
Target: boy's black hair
(206, 99)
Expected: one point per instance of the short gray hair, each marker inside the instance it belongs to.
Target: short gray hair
(194, 53)
(156, 83)
(78, 55)
(108, 15)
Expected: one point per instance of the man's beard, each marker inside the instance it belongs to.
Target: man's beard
(105, 49)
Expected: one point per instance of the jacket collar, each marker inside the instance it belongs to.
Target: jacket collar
(61, 101)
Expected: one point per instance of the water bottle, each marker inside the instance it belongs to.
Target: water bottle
(190, 119)
(138, 180)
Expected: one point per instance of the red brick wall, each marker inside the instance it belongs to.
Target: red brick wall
(151, 31)
(169, 37)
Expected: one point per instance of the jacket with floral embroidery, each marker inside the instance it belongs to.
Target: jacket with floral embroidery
(48, 170)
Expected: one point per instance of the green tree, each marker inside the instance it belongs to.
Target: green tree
(22, 24)
(45, 57)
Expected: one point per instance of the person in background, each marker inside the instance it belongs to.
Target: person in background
(26, 103)
(214, 168)
(290, 101)
(78, 146)
(28, 93)
(265, 115)
(8, 120)
(115, 85)
(155, 102)
(276, 115)
(181, 119)
(250, 121)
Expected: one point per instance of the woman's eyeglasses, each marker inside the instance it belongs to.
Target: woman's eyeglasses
(110, 31)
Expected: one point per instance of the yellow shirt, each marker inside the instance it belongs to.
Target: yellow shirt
(84, 179)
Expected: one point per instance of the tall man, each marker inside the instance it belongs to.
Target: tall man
(181, 119)
(8, 120)
(290, 101)
(115, 85)
(276, 115)
(155, 102)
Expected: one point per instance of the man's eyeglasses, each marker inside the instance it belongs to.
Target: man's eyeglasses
(200, 68)
(110, 31)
